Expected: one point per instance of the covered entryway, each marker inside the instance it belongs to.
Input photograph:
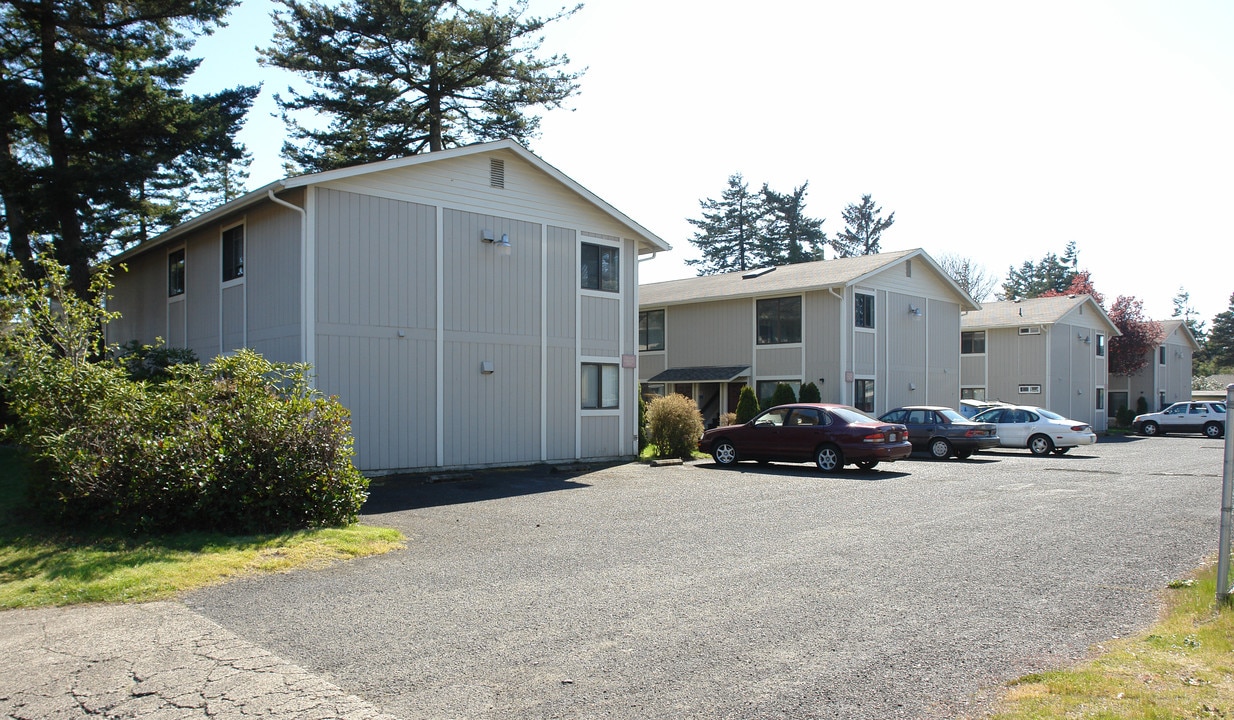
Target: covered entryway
(713, 388)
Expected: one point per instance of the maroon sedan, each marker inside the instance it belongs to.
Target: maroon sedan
(830, 435)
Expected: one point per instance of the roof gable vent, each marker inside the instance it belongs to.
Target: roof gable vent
(497, 173)
(759, 272)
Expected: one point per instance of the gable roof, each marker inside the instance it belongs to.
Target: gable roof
(652, 242)
(1169, 326)
(801, 277)
(1033, 311)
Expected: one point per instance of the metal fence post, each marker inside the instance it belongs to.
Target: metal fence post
(1227, 508)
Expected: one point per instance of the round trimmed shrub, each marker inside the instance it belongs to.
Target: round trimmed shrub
(674, 425)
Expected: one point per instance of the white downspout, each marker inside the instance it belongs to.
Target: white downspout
(843, 345)
(305, 324)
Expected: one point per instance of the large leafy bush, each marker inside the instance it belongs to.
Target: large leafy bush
(241, 445)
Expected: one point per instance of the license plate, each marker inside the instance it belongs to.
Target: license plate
(893, 438)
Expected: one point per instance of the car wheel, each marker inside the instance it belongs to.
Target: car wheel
(867, 464)
(1149, 428)
(1061, 451)
(1040, 445)
(724, 454)
(829, 458)
(1213, 430)
(939, 449)
(964, 454)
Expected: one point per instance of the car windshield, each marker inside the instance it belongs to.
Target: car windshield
(1219, 407)
(952, 415)
(850, 414)
(1047, 414)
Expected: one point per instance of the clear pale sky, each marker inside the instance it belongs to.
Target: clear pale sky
(995, 131)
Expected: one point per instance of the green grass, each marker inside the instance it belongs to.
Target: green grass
(1182, 667)
(42, 566)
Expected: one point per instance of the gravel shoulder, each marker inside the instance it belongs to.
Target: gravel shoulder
(766, 591)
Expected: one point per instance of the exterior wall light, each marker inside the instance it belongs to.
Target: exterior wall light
(503, 244)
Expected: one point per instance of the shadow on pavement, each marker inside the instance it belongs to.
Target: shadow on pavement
(409, 492)
(882, 472)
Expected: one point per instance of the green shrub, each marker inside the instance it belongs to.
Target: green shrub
(1124, 417)
(642, 422)
(151, 362)
(747, 405)
(810, 393)
(241, 445)
(1141, 405)
(674, 425)
(783, 395)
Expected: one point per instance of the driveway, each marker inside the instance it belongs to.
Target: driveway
(765, 591)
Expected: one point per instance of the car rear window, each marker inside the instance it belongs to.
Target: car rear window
(851, 414)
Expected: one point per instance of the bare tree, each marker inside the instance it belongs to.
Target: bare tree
(968, 275)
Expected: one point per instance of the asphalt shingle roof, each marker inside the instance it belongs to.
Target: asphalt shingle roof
(1033, 311)
(702, 374)
(781, 279)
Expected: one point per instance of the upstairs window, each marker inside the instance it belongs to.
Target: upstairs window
(233, 253)
(1161, 355)
(779, 321)
(175, 273)
(972, 343)
(600, 269)
(651, 330)
(1100, 345)
(863, 312)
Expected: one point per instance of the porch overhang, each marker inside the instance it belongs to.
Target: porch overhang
(726, 373)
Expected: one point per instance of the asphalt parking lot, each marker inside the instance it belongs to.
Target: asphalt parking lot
(914, 591)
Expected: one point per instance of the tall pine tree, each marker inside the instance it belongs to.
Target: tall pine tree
(1051, 273)
(787, 234)
(863, 229)
(95, 118)
(399, 77)
(728, 232)
(1220, 342)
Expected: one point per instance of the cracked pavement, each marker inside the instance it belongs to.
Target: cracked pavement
(158, 661)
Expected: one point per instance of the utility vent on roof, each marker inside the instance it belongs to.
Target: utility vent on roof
(757, 273)
(497, 173)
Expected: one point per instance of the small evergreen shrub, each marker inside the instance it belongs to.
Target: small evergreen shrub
(642, 423)
(810, 393)
(1141, 405)
(783, 395)
(674, 425)
(747, 405)
(1124, 417)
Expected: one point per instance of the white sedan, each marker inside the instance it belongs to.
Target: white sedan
(1041, 431)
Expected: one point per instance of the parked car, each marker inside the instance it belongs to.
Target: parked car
(1041, 431)
(831, 435)
(942, 431)
(1184, 417)
(969, 408)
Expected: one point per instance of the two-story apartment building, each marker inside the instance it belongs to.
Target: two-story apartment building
(1166, 376)
(1048, 352)
(471, 307)
(875, 331)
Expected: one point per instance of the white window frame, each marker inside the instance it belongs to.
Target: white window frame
(239, 279)
(984, 337)
(663, 329)
(600, 243)
(873, 314)
(1030, 330)
(600, 365)
(1033, 389)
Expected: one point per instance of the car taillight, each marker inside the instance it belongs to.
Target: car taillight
(1079, 428)
(974, 433)
(877, 437)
